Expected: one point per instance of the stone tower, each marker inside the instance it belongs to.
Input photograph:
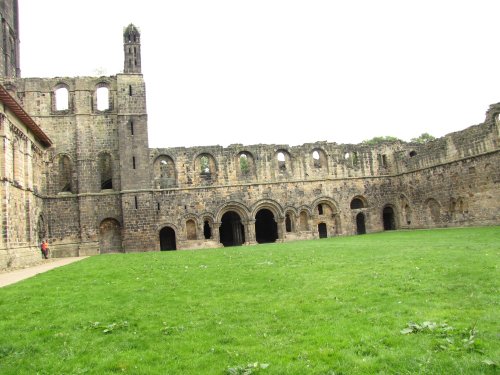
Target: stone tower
(132, 48)
(9, 39)
(133, 141)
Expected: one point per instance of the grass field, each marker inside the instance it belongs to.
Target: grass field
(401, 302)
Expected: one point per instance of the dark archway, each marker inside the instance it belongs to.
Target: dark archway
(232, 231)
(167, 239)
(207, 230)
(266, 228)
(388, 218)
(288, 223)
(323, 232)
(360, 223)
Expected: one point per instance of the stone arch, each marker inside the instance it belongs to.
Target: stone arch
(406, 211)
(433, 210)
(231, 230)
(266, 225)
(245, 162)
(358, 202)
(237, 207)
(330, 207)
(101, 98)
(164, 172)
(110, 236)
(105, 170)
(283, 161)
(64, 173)
(389, 217)
(208, 225)
(191, 231)
(205, 168)
(290, 219)
(319, 159)
(269, 204)
(167, 236)
(61, 98)
(326, 212)
(304, 217)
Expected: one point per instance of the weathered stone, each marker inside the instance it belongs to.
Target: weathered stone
(98, 187)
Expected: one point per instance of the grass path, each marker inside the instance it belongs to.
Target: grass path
(333, 306)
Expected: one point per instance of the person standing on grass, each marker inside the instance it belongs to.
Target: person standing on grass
(45, 249)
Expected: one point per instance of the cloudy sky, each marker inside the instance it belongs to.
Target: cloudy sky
(282, 71)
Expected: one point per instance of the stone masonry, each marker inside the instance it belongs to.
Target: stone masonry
(99, 188)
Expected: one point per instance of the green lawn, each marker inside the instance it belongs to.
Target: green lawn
(331, 306)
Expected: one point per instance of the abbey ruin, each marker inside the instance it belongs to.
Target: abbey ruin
(76, 169)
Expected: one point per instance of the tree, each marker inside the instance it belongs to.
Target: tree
(378, 140)
(424, 138)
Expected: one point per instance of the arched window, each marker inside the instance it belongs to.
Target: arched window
(244, 167)
(190, 230)
(288, 223)
(316, 159)
(164, 172)
(320, 209)
(283, 160)
(304, 225)
(357, 203)
(106, 171)
(62, 98)
(102, 96)
(65, 174)
(205, 165)
(207, 230)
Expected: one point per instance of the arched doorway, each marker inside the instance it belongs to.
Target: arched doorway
(388, 218)
(322, 231)
(266, 228)
(110, 236)
(232, 231)
(167, 239)
(360, 223)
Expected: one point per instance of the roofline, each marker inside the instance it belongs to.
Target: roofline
(19, 111)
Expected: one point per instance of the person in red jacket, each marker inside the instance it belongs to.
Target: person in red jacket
(45, 249)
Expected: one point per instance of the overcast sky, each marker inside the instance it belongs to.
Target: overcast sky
(282, 71)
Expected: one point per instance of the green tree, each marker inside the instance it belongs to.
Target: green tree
(378, 140)
(424, 138)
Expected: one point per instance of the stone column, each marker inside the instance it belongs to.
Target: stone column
(250, 233)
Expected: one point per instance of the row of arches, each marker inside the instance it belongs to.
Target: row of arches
(206, 168)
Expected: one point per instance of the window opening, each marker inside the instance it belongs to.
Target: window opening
(205, 167)
(131, 127)
(136, 203)
(288, 223)
(62, 99)
(316, 159)
(244, 167)
(133, 162)
(413, 153)
(320, 209)
(207, 231)
(357, 203)
(130, 86)
(102, 94)
(355, 159)
(65, 174)
(190, 230)
(106, 171)
(281, 161)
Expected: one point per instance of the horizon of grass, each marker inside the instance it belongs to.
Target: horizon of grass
(329, 306)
